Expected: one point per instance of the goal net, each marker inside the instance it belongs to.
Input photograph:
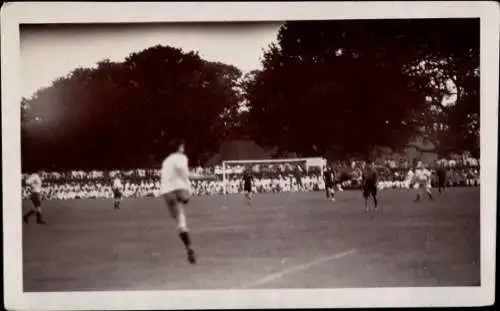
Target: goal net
(232, 170)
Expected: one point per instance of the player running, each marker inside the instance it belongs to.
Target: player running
(247, 185)
(117, 191)
(329, 178)
(369, 185)
(422, 179)
(176, 190)
(34, 183)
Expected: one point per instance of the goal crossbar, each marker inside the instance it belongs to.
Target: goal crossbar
(265, 161)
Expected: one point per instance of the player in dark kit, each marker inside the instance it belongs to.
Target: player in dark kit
(298, 177)
(329, 183)
(117, 191)
(369, 185)
(441, 178)
(247, 185)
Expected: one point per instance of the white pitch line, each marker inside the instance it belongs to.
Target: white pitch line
(221, 228)
(295, 269)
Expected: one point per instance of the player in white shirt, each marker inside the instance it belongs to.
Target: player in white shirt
(117, 191)
(176, 189)
(34, 183)
(409, 179)
(422, 179)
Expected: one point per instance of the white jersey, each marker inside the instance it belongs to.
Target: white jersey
(175, 173)
(117, 184)
(410, 175)
(422, 175)
(34, 183)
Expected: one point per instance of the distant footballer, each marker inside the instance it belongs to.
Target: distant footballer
(441, 177)
(34, 183)
(369, 185)
(117, 191)
(247, 185)
(329, 178)
(422, 180)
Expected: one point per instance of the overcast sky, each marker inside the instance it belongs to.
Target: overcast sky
(51, 52)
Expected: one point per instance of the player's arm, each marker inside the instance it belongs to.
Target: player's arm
(28, 180)
(182, 166)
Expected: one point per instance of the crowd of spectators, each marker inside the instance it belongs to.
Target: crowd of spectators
(276, 177)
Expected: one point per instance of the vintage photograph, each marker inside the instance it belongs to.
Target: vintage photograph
(300, 154)
(325, 154)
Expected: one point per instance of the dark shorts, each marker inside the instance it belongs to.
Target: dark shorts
(117, 194)
(177, 196)
(369, 190)
(36, 199)
(247, 188)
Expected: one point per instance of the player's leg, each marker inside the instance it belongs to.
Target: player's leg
(418, 190)
(428, 189)
(182, 200)
(248, 195)
(177, 213)
(27, 216)
(442, 186)
(116, 198)
(248, 192)
(374, 196)
(366, 194)
(331, 191)
(37, 203)
(32, 211)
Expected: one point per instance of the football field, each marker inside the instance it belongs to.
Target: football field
(295, 240)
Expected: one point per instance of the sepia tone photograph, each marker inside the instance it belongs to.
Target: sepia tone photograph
(354, 143)
(302, 154)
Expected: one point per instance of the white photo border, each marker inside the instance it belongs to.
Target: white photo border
(16, 13)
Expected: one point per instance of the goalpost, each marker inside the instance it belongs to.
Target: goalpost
(308, 162)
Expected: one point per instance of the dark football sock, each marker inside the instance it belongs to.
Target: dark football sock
(185, 238)
(29, 214)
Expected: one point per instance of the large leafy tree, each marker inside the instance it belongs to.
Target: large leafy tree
(343, 87)
(448, 77)
(123, 114)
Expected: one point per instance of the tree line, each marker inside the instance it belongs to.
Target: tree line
(336, 88)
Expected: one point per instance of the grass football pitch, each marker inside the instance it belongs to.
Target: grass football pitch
(294, 240)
